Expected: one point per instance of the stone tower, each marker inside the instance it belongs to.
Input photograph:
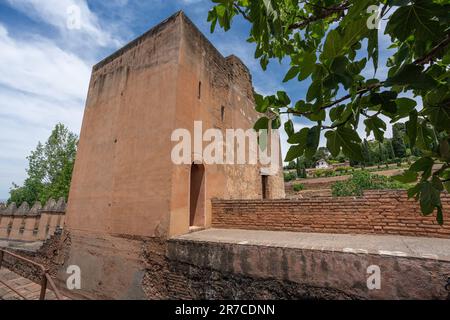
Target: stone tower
(125, 187)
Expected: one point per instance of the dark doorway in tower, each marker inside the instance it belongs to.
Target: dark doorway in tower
(264, 183)
(197, 196)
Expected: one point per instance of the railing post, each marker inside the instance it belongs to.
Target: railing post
(43, 286)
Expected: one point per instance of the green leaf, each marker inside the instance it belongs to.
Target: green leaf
(289, 127)
(405, 105)
(336, 113)
(333, 45)
(220, 10)
(407, 177)
(339, 65)
(414, 191)
(377, 126)
(348, 140)
(314, 91)
(411, 128)
(276, 123)
(295, 152)
(386, 100)
(307, 65)
(336, 43)
(292, 73)
(417, 19)
(264, 62)
(430, 198)
(353, 32)
(299, 137)
(412, 76)
(373, 49)
(439, 116)
(424, 165)
(333, 143)
(283, 98)
(269, 7)
(425, 137)
(317, 116)
(262, 124)
(312, 141)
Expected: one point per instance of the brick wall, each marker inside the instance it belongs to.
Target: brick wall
(377, 212)
(33, 224)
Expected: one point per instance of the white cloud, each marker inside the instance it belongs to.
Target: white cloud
(41, 85)
(190, 1)
(39, 67)
(59, 13)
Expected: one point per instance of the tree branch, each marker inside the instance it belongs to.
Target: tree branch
(239, 9)
(331, 104)
(324, 13)
(430, 56)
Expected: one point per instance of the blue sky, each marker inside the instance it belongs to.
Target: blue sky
(45, 65)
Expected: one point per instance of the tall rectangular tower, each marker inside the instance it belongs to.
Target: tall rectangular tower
(125, 184)
(124, 181)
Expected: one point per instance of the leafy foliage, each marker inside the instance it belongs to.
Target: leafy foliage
(298, 187)
(329, 43)
(364, 180)
(289, 176)
(49, 170)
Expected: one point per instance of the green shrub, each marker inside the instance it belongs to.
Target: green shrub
(318, 173)
(289, 176)
(298, 187)
(364, 180)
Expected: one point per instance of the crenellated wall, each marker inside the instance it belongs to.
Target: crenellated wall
(34, 224)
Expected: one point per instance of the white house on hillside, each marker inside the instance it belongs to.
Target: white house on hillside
(322, 164)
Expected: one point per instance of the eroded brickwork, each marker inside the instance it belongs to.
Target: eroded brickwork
(182, 269)
(52, 255)
(169, 275)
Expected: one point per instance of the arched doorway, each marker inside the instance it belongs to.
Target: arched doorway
(197, 196)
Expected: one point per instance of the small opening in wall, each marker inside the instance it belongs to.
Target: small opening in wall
(222, 113)
(199, 89)
(197, 196)
(264, 180)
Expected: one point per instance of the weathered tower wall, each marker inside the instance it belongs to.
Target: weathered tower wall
(125, 188)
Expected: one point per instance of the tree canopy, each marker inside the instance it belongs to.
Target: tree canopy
(334, 44)
(49, 170)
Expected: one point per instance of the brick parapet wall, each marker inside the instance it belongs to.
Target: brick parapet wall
(377, 212)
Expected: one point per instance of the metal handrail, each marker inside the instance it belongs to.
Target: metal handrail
(46, 278)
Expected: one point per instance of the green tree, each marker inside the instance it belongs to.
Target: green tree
(332, 42)
(321, 153)
(398, 139)
(366, 153)
(390, 154)
(300, 168)
(49, 170)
